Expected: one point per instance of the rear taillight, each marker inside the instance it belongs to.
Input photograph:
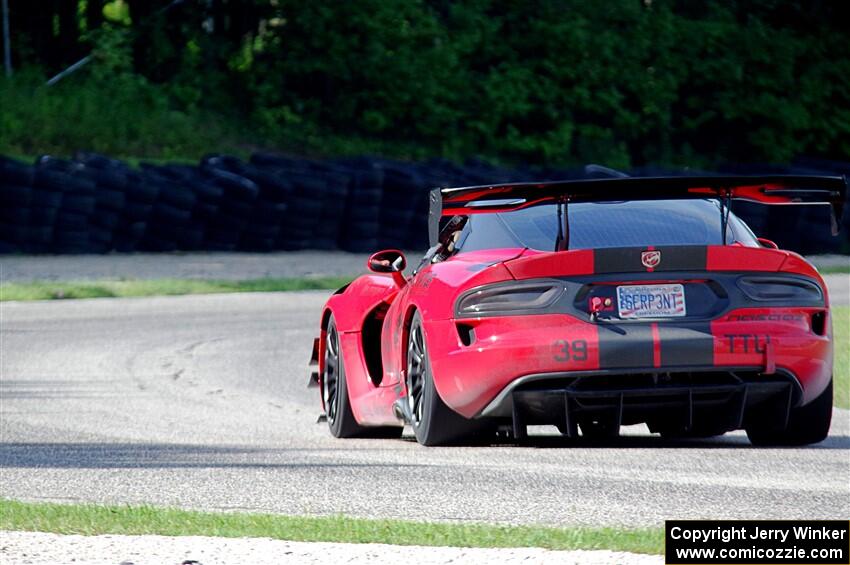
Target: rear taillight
(511, 298)
(774, 289)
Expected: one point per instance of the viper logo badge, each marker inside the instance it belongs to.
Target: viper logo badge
(650, 259)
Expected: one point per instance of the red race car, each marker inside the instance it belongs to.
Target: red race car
(588, 305)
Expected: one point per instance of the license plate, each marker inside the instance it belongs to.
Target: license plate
(651, 301)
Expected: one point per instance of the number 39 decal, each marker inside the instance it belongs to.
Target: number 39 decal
(566, 350)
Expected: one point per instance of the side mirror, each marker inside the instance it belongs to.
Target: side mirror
(767, 243)
(389, 261)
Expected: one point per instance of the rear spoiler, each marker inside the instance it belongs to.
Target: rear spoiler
(773, 189)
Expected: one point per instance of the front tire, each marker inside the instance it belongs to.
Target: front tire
(432, 421)
(806, 424)
(341, 420)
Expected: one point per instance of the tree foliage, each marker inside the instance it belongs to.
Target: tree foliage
(623, 82)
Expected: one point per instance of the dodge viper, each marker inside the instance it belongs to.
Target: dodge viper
(588, 305)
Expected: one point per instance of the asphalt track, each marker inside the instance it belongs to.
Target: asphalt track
(200, 402)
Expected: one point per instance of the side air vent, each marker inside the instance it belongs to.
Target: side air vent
(466, 333)
(371, 336)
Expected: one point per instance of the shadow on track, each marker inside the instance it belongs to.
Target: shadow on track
(162, 456)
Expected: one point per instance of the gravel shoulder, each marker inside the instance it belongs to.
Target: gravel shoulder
(35, 548)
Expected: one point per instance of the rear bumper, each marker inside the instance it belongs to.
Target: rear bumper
(478, 362)
(705, 399)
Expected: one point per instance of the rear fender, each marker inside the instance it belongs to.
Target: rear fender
(434, 289)
(432, 293)
(797, 265)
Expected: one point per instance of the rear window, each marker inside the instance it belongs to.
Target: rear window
(594, 225)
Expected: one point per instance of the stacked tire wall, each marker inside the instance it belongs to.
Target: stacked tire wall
(95, 204)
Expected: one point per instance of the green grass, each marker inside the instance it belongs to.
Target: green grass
(138, 520)
(834, 270)
(158, 287)
(841, 338)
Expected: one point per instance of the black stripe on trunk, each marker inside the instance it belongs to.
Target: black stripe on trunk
(628, 259)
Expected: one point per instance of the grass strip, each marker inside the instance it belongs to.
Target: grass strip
(138, 520)
(834, 270)
(841, 370)
(42, 290)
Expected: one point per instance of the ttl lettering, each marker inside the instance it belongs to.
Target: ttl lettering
(745, 342)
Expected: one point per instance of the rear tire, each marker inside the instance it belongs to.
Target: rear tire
(806, 424)
(433, 422)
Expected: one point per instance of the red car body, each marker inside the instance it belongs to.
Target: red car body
(753, 350)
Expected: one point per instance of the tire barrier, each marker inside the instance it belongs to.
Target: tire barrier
(95, 204)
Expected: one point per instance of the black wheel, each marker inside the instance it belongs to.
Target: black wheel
(335, 394)
(334, 389)
(806, 424)
(432, 421)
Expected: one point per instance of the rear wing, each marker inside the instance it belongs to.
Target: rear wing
(773, 189)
